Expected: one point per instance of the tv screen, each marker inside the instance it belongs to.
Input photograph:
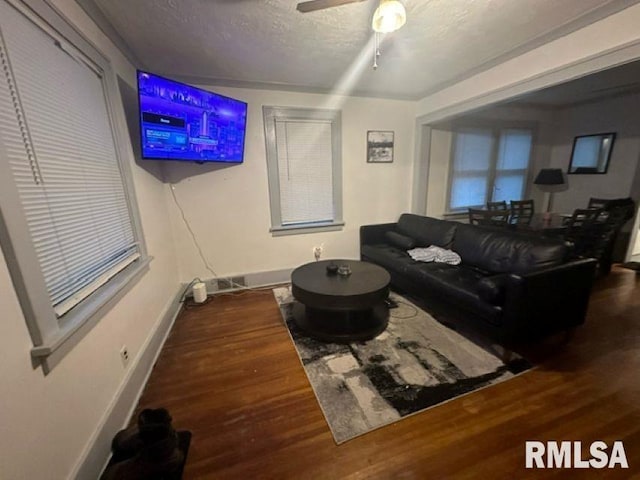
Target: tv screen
(181, 122)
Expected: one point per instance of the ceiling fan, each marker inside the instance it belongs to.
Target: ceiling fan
(313, 5)
(388, 17)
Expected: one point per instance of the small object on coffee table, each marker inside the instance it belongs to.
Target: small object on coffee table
(341, 309)
(332, 269)
(344, 270)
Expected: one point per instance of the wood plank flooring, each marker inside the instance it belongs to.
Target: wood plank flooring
(230, 374)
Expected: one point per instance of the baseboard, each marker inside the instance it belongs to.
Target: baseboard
(247, 280)
(98, 451)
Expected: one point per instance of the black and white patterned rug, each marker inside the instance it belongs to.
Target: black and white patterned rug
(415, 364)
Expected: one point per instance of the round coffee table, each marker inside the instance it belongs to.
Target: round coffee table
(338, 308)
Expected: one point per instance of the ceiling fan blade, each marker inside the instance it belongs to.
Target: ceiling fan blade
(313, 5)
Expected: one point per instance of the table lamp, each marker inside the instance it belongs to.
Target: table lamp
(548, 180)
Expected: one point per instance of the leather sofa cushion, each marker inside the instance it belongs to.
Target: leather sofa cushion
(500, 251)
(455, 284)
(387, 256)
(400, 241)
(492, 289)
(427, 231)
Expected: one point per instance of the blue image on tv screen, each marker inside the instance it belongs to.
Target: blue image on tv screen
(181, 122)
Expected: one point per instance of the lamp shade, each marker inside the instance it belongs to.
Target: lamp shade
(389, 16)
(549, 176)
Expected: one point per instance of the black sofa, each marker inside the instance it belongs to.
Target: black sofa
(509, 285)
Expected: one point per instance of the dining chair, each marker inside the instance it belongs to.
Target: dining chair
(621, 210)
(617, 212)
(586, 230)
(491, 206)
(598, 203)
(521, 212)
(492, 218)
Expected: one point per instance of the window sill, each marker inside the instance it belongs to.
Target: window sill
(82, 318)
(306, 228)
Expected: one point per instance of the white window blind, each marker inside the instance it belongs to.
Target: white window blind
(305, 171)
(471, 164)
(512, 165)
(56, 131)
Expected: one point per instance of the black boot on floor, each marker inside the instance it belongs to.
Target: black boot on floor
(127, 443)
(154, 444)
(158, 460)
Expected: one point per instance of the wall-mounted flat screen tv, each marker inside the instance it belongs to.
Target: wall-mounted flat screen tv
(185, 123)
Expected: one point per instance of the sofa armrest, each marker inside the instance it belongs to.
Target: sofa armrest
(373, 234)
(551, 299)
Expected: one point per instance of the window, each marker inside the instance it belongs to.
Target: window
(304, 168)
(488, 166)
(69, 232)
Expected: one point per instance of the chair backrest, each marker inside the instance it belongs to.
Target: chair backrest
(497, 205)
(582, 217)
(495, 218)
(521, 212)
(598, 203)
(586, 229)
(621, 213)
(619, 210)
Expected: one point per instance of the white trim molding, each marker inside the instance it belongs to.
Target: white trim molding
(117, 416)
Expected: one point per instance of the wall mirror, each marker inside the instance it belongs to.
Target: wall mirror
(591, 153)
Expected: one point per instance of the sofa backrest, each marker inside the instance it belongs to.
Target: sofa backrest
(498, 251)
(427, 231)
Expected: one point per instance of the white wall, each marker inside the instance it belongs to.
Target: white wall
(228, 208)
(48, 422)
(620, 115)
(439, 160)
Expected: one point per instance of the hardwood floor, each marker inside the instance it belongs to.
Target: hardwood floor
(230, 374)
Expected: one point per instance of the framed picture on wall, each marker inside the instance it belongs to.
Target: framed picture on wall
(591, 153)
(379, 146)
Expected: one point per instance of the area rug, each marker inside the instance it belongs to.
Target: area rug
(415, 364)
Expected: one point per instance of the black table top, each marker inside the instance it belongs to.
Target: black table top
(313, 286)
(365, 277)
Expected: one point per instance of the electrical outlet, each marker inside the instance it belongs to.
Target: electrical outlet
(124, 355)
(317, 252)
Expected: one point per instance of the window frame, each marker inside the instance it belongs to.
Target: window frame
(54, 337)
(492, 172)
(271, 114)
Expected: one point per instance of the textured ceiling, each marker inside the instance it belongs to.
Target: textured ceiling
(269, 43)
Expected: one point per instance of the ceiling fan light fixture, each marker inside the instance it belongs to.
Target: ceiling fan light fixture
(389, 16)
